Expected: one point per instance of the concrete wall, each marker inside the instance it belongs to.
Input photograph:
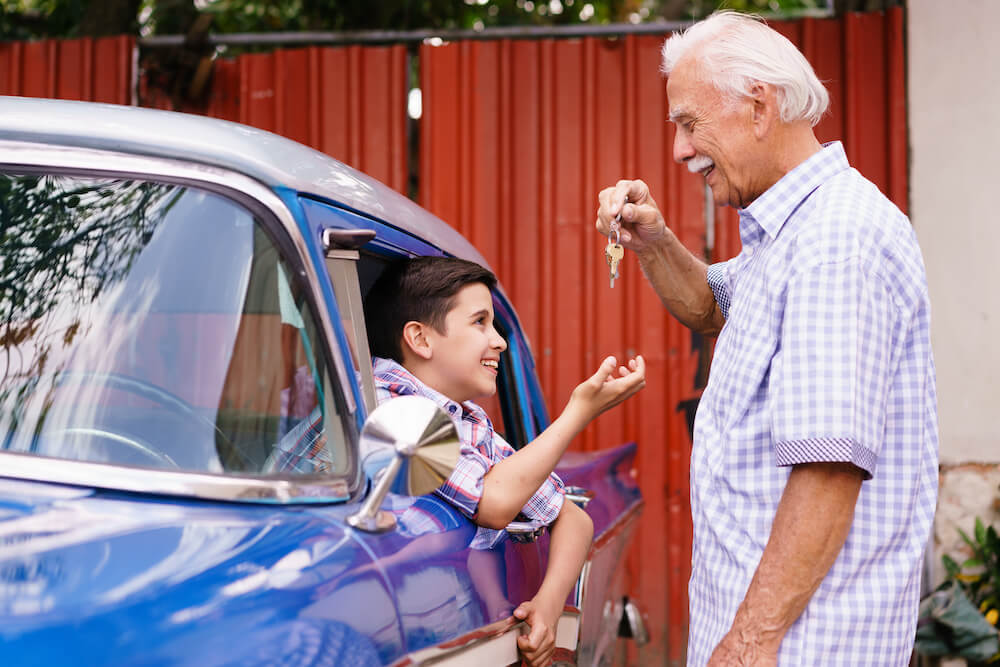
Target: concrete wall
(954, 122)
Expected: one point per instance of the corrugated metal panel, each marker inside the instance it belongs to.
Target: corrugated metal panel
(518, 137)
(95, 70)
(349, 102)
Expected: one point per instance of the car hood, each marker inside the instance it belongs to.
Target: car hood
(98, 578)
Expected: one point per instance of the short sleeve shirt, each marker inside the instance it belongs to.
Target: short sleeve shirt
(482, 448)
(825, 356)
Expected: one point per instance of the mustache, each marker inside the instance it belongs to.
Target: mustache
(699, 163)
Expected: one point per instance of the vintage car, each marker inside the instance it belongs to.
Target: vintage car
(186, 387)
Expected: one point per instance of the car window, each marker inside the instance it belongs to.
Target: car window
(504, 408)
(157, 325)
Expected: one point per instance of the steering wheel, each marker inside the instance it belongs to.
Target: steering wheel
(146, 390)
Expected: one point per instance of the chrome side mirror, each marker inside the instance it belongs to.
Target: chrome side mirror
(423, 445)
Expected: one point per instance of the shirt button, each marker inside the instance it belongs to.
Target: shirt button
(451, 409)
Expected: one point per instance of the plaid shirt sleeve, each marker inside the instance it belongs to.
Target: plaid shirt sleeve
(718, 280)
(303, 449)
(834, 366)
(545, 504)
(482, 448)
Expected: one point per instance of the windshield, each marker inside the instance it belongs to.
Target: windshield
(156, 325)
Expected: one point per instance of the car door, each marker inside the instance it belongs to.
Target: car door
(502, 578)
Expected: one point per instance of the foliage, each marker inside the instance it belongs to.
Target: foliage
(51, 261)
(24, 19)
(959, 618)
(979, 575)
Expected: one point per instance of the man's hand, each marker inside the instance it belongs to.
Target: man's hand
(641, 223)
(735, 651)
(538, 646)
(603, 391)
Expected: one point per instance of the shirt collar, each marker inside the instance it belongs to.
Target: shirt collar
(776, 205)
(407, 383)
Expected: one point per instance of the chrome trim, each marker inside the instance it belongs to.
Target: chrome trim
(579, 495)
(313, 489)
(255, 195)
(493, 644)
(524, 531)
(630, 514)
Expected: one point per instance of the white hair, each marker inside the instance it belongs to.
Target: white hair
(737, 50)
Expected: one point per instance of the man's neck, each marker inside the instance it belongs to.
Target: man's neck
(796, 144)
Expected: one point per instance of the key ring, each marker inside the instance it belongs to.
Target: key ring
(615, 226)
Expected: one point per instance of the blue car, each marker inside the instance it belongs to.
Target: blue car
(185, 388)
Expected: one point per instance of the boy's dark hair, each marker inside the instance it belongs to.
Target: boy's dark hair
(421, 289)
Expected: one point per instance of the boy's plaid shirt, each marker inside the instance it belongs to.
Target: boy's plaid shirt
(482, 448)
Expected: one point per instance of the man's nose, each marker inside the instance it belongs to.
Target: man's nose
(683, 149)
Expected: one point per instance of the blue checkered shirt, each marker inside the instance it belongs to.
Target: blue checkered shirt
(825, 356)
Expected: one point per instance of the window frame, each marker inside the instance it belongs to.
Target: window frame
(281, 226)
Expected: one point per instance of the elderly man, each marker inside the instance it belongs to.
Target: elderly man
(814, 464)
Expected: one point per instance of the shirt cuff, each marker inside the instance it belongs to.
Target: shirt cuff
(717, 281)
(826, 450)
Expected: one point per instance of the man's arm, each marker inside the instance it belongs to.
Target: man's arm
(510, 483)
(810, 527)
(572, 533)
(678, 277)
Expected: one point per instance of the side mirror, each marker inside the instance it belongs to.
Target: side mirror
(424, 446)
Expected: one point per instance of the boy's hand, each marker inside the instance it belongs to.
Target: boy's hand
(538, 646)
(603, 390)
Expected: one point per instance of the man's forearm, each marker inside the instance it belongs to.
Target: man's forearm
(810, 527)
(679, 279)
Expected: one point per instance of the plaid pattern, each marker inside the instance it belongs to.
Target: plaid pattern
(302, 449)
(482, 448)
(825, 356)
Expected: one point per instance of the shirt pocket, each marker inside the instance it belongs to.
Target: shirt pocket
(741, 369)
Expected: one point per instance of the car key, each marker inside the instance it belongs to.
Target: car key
(614, 251)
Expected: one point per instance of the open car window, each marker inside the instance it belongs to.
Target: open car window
(506, 408)
(157, 325)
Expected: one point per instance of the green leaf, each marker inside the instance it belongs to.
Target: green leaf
(967, 539)
(972, 562)
(950, 566)
(980, 532)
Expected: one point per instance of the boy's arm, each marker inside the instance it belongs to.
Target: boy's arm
(510, 483)
(572, 533)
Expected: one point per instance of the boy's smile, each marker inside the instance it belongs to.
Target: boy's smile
(465, 358)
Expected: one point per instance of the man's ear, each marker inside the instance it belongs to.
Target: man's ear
(764, 97)
(415, 339)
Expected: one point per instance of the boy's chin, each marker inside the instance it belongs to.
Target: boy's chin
(484, 393)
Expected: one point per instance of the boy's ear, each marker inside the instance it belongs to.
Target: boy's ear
(415, 339)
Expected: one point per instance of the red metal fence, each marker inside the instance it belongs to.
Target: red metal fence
(516, 139)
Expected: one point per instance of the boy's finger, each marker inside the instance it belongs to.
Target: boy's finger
(607, 368)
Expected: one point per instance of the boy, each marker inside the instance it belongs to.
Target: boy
(431, 333)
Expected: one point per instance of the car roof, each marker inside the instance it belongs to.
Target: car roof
(264, 156)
